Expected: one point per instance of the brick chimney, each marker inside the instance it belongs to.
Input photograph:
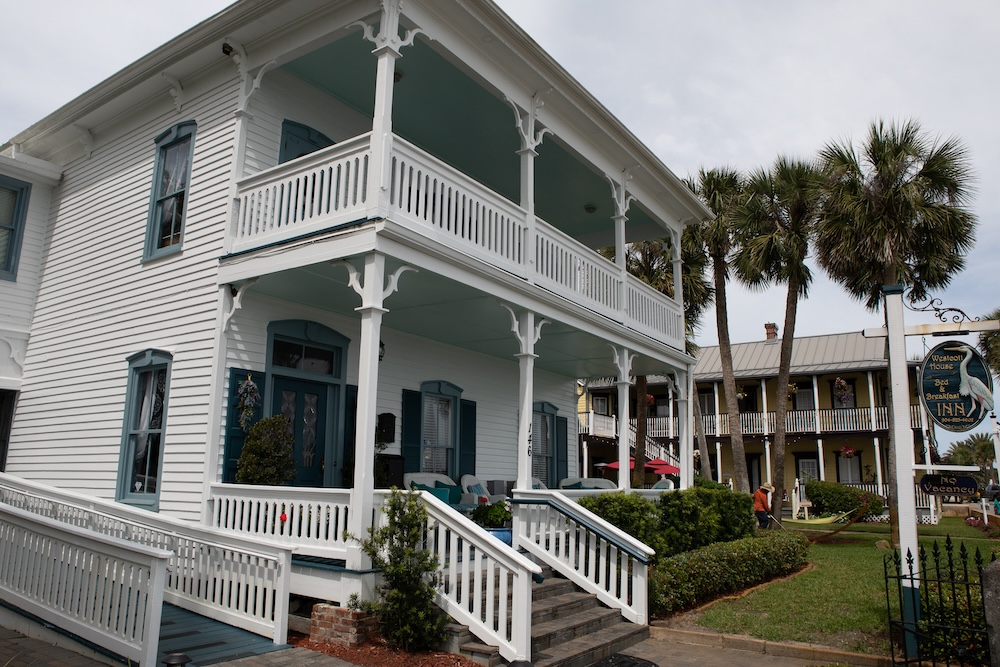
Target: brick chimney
(771, 329)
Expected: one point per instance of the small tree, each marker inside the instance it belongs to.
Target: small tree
(405, 609)
(267, 456)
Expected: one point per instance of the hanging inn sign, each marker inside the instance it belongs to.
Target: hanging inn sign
(955, 386)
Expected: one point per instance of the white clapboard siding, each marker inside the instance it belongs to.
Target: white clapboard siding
(491, 382)
(99, 303)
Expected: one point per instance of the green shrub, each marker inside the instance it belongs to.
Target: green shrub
(631, 513)
(686, 580)
(267, 456)
(679, 520)
(833, 498)
(708, 483)
(406, 612)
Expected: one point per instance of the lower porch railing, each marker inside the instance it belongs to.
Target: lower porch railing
(478, 574)
(590, 552)
(312, 521)
(102, 589)
(226, 577)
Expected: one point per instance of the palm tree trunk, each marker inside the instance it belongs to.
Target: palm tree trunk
(741, 480)
(699, 434)
(641, 421)
(781, 411)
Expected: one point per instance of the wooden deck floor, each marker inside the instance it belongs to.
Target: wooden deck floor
(207, 641)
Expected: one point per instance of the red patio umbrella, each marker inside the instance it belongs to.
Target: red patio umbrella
(663, 469)
(614, 465)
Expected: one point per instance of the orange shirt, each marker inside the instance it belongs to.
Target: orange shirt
(760, 501)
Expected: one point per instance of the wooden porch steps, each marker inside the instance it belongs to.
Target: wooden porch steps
(569, 628)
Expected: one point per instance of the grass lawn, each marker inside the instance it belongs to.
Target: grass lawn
(840, 602)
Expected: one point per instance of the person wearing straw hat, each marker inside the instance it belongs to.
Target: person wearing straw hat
(761, 504)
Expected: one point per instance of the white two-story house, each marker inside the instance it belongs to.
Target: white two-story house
(385, 214)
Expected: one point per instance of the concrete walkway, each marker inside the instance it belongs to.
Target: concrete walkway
(665, 648)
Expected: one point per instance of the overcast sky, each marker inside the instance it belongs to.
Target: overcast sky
(703, 83)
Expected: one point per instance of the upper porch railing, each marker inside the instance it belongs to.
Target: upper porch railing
(759, 423)
(328, 188)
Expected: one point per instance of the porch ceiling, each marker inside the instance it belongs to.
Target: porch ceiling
(452, 115)
(450, 312)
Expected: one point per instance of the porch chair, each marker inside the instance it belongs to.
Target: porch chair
(471, 484)
(443, 487)
(537, 484)
(664, 483)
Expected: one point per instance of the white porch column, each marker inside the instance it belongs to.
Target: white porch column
(623, 361)
(622, 202)
(878, 461)
(822, 464)
(766, 424)
(671, 432)
(819, 426)
(527, 332)
(685, 430)
(373, 292)
(526, 122)
(718, 458)
(871, 399)
(718, 417)
(767, 460)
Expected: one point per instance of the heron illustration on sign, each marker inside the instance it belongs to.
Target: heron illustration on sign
(971, 386)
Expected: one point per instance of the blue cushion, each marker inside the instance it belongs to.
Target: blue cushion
(478, 490)
(574, 485)
(421, 487)
(454, 492)
(440, 494)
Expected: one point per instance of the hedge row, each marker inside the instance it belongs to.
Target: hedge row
(679, 520)
(833, 498)
(684, 581)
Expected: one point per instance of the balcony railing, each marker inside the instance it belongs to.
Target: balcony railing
(329, 187)
(758, 423)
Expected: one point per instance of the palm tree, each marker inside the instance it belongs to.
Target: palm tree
(776, 225)
(989, 344)
(975, 450)
(895, 214)
(722, 192)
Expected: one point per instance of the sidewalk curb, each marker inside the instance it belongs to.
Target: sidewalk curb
(749, 644)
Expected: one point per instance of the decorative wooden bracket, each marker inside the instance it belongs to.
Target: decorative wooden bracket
(86, 139)
(391, 285)
(176, 91)
(525, 121)
(388, 36)
(237, 294)
(15, 355)
(526, 339)
(619, 192)
(251, 80)
(623, 362)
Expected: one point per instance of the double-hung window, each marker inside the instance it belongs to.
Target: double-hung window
(438, 435)
(171, 180)
(13, 209)
(143, 434)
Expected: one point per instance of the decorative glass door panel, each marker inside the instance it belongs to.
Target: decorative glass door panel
(305, 405)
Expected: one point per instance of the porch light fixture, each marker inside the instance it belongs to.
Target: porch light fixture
(589, 208)
(381, 350)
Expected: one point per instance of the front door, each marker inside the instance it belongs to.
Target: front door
(305, 404)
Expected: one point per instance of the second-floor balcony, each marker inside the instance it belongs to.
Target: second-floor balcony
(837, 420)
(329, 189)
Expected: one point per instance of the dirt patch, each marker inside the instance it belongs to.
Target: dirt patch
(377, 654)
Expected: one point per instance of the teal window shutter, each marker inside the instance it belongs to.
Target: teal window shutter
(350, 433)
(13, 210)
(562, 448)
(467, 439)
(235, 436)
(410, 430)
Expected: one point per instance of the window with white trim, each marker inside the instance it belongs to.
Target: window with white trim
(439, 427)
(13, 211)
(171, 181)
(543, 443)
(141, 460)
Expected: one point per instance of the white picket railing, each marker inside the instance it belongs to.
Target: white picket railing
(102, 589)
(327, 188)
(571, 269)
(314, 519)
(590, 552)
(477, 576)
(240, 581)
(309, 194)
(804, 421)
(654, 448)
(605, 426)
(459, 211)
(647, 309)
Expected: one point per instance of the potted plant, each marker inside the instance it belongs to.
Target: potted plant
(495, 519)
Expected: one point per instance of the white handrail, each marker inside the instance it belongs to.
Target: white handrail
(103, 589)
(477, 575)
(314, 523)
(592, 553)
(208, 567)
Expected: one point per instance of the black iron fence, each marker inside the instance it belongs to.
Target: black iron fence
(936, 613)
